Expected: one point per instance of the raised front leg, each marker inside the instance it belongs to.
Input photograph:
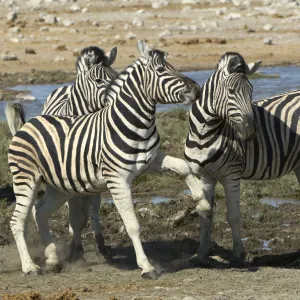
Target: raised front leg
(50, 203)
(121, 194)
(232, 194)
(163, 163)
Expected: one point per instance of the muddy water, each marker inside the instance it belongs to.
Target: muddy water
(277, 202)
(289, 80)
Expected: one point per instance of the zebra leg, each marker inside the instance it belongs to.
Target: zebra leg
(162, 163)
(206, 219)
(25, 197)
(78, 216)
(94, 208)
(122, 198)
(51, 202)
(232, 194)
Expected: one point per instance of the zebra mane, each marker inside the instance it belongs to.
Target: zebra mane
(88, 57)
(226, 61)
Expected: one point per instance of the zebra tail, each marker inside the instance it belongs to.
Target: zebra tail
(15, 116)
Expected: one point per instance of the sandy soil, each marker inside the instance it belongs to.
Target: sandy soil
(189, 49)
(197, 40)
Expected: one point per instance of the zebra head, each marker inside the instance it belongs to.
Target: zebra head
(162, 82)
(94, 55)
(96, 79)
(233, 95)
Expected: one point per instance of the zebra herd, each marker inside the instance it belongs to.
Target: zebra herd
(100, 134)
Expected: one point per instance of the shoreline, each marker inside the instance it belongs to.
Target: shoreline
(11, 79)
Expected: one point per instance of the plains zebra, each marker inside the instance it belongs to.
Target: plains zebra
(90, 153)
(87, 95)
(217, 147)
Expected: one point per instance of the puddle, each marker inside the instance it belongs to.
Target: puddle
(266, 245)
(277, 202)
(264, 87)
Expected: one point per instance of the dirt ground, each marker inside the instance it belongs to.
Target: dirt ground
(199, 35)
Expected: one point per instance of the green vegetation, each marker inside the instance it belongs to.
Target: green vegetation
(261, 75)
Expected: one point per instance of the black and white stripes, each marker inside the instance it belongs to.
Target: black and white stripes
(106, 149)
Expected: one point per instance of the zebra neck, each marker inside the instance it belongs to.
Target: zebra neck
(127, 96)
(78, 102)
(204, 109)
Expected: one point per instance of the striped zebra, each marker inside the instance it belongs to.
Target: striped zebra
(87, 95)
(103, 150)
(230, 138)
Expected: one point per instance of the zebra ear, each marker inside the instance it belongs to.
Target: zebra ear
(111, 56)
(89, 60)
(253, 67)
(235, 65)
(144, 49)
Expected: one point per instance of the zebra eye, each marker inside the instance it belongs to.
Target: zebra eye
(98, 81)
(160, 69)
(231, 90)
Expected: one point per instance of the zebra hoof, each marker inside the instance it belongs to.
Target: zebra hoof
(35, 272)
(105, 252)
(50, 268)
(150, 275)
(239, 263)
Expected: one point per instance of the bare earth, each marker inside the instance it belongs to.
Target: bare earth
(106, 24)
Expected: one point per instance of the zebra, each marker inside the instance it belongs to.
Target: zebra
(226, 143)
(104, 150)
(87, 95)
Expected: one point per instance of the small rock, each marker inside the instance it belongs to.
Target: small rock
(60, 47)
(268, 27)
(50, 19)
(8, 56)
(159, 3)
(74, 8)
(76, 52)
(165, 33)
(221, 11)
(14, 30)
(140, 11)
(179, 217)
(109, 27)
(68, 23)
(268, 41)
(30, 51)
(14, 40)
(130, 36)
(84, 10)
(44, 29)
(122, 229)
(236, 2)
(12, 16)
(232, 16)
(25, 97)
(59, 58)
(137, 22)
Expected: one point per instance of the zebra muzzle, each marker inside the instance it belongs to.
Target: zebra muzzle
(246, 130)
(191, 93)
